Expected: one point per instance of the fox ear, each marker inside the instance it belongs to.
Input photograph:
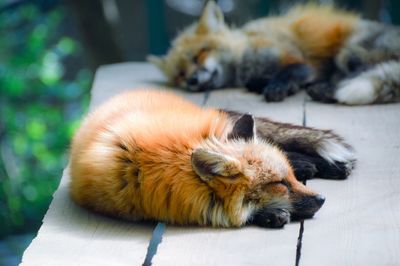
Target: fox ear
(211, 20)
(208, 164)
(244, 128)
(157, 61)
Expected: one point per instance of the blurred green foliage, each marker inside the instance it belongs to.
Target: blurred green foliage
(41, 102)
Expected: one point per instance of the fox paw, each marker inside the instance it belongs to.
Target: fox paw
(321, 92)
(271, 218)
(276, 92)
(304, 170)
(310, 166)
(338, 170)
(304, 166)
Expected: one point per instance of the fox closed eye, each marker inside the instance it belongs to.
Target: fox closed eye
(285, 183)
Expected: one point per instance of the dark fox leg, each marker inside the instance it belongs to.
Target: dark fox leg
(307, 166)
(331, 156)
(323, 88)
(287, 81)
(271, 218)
(262, 70)
(322, 91)
(303, 166)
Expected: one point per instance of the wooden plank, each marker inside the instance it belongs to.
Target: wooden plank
(290, 110)
(249, 245)
(360, 221)
(72, 236)
(111, 79)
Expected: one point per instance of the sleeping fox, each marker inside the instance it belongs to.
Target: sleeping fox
(137, 158)
(334, 54)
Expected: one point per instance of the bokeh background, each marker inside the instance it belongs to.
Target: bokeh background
(49, 51)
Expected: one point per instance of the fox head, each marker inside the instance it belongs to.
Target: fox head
(250, 177)
(202, 56)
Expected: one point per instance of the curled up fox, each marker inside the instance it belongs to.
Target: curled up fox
(137, 158)
(335, 55)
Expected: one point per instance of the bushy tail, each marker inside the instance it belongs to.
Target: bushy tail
(379, 84)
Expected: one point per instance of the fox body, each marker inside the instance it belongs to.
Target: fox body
(150, 155)
(334, 54)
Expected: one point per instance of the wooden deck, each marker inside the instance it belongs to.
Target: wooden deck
(358, 225)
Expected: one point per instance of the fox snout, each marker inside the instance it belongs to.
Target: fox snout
(201, 80)
(306, 206)
(302, 207)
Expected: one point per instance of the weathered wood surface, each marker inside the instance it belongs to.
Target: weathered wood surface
(358, 225)
(73, 236)
(113, 79)
(360, 222)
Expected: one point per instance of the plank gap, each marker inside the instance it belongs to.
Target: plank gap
(155, 240)
(301, 229)
(304, 112)
(299, 243)
(206, 97)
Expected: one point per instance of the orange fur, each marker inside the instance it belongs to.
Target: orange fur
(320, 31)
(131, 158)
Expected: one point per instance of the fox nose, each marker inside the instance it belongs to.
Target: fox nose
(307, 206)
(193, 80)
(319, 200)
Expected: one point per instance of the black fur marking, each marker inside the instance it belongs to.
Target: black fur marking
(307, 167)
(243, 128)
(306, 206)
(123, 146)
(125, 160)
(271, 218)
(327, 170)
(299, 146)
(300, 73)
(287, 81)
(355, 64)
(276, 91)
(132, 209)
(322, 91)
(124, 183)
(136, 182)
(257, 84)
(168, 198)
(136, 172)
(303, 169)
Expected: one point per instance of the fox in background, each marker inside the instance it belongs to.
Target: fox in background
(334, 54)
(137, 158)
